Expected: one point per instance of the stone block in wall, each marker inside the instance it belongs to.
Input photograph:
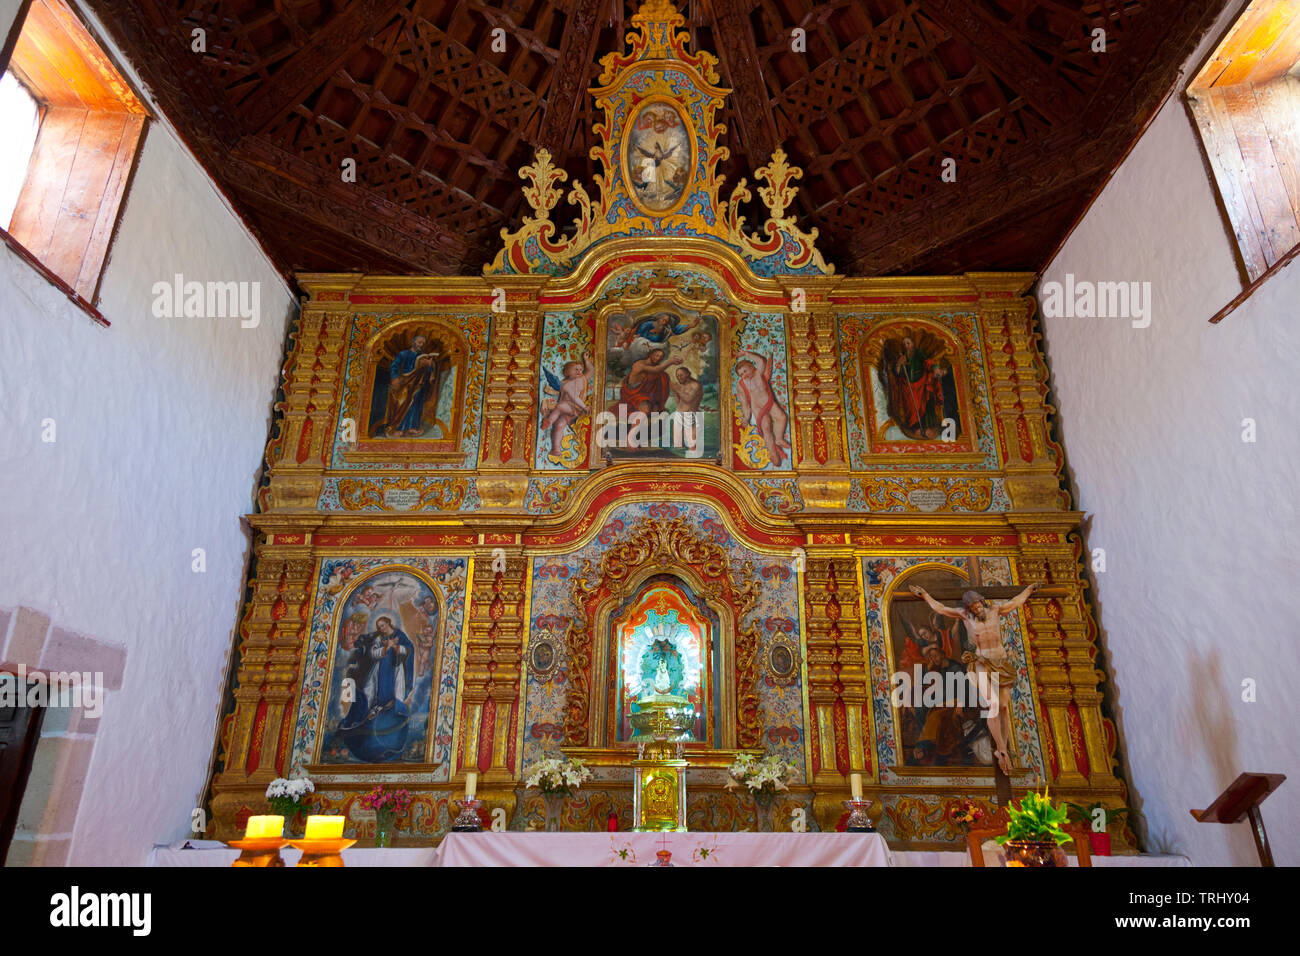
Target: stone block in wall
(29, 851)
(69, 651)
(57, 779)
(28, 637)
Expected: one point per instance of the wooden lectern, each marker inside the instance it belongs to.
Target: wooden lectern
(1242, 799)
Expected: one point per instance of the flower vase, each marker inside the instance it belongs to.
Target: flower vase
(1036, 853)
(763, 802)
(554, 810)
(385, 826)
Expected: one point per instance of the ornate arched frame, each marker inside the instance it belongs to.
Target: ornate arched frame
(731, 595)
(728, 318)
(675, 104)
(869, 351)
(722, 733)
(336, 625)
(387, 449)
(886, 602)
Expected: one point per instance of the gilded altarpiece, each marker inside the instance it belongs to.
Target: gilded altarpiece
(450, 523)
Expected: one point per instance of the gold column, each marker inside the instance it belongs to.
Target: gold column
(837, 675)
(269, 677)
(509, 396)
(312, 375)
(817, 405)
(1018, 380)
(493, 665)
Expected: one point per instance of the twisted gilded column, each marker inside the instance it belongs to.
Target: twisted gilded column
(837, 673)
(510, 392)
(1018, 380)
(272, 635)
(492, 664)
(816, 393)
(298, 456)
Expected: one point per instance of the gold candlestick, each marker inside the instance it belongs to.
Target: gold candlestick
(321, 852)
(259, 851)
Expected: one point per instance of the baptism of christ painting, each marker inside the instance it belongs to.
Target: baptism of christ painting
(661, 386)
(658, 157)
(382, 679)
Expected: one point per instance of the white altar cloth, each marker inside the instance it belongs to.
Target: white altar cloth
(353, 856)
(688, 849)
(546, 849)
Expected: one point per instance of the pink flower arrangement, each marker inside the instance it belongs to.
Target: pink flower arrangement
(398, 801)
(966, 814)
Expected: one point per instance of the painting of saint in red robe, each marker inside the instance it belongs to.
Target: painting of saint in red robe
(915, 379)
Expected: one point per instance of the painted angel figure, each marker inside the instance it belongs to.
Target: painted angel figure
(570, 403)
(758, 404)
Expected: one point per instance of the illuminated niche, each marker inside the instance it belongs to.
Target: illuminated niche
(664, 627)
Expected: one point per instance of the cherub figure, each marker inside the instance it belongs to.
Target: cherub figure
(758, 404)
(701, 342)
(571, 401)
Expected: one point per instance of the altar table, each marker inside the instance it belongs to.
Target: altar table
(688, 849)
(602, 849)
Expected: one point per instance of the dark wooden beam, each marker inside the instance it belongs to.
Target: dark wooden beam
(1033, 172)
(320, 197)
(1026, 177)
(750, 101)
(328, 49)
(1005, 55)
(570, 75)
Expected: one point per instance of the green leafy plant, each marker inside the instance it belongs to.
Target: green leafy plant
(1088, 814)
(1036, 820)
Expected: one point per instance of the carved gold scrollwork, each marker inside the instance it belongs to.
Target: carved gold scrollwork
(662, 543)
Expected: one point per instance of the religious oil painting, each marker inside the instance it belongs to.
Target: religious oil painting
(915, 389)
(416, 379)
(938, 718)
(384, 661)
(764, 424)
(658, 156)
(664, 642)
(566, 415)
(661, 394)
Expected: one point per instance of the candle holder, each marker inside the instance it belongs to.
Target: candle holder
(259, 851)
(468, 821)
(321, 852)
(859, 822)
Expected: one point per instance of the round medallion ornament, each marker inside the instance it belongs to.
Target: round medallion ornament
(782, 662)
(543, 657)
(658, 157)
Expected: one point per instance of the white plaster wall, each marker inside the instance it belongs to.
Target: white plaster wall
(1199, 528)
(161, 425)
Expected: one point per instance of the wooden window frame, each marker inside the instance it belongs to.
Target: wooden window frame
(87, 148)
(1245, 104)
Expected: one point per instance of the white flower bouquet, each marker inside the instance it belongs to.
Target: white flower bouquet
(558, 775)
(761, 776)
(288, 798)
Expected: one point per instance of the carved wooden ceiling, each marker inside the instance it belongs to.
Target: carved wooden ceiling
(439, 124)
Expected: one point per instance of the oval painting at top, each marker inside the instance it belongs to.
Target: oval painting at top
(658, 157)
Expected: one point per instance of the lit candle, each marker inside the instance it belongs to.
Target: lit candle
(266, 827)
(855, 783)
(471, 785)
(325, 828)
